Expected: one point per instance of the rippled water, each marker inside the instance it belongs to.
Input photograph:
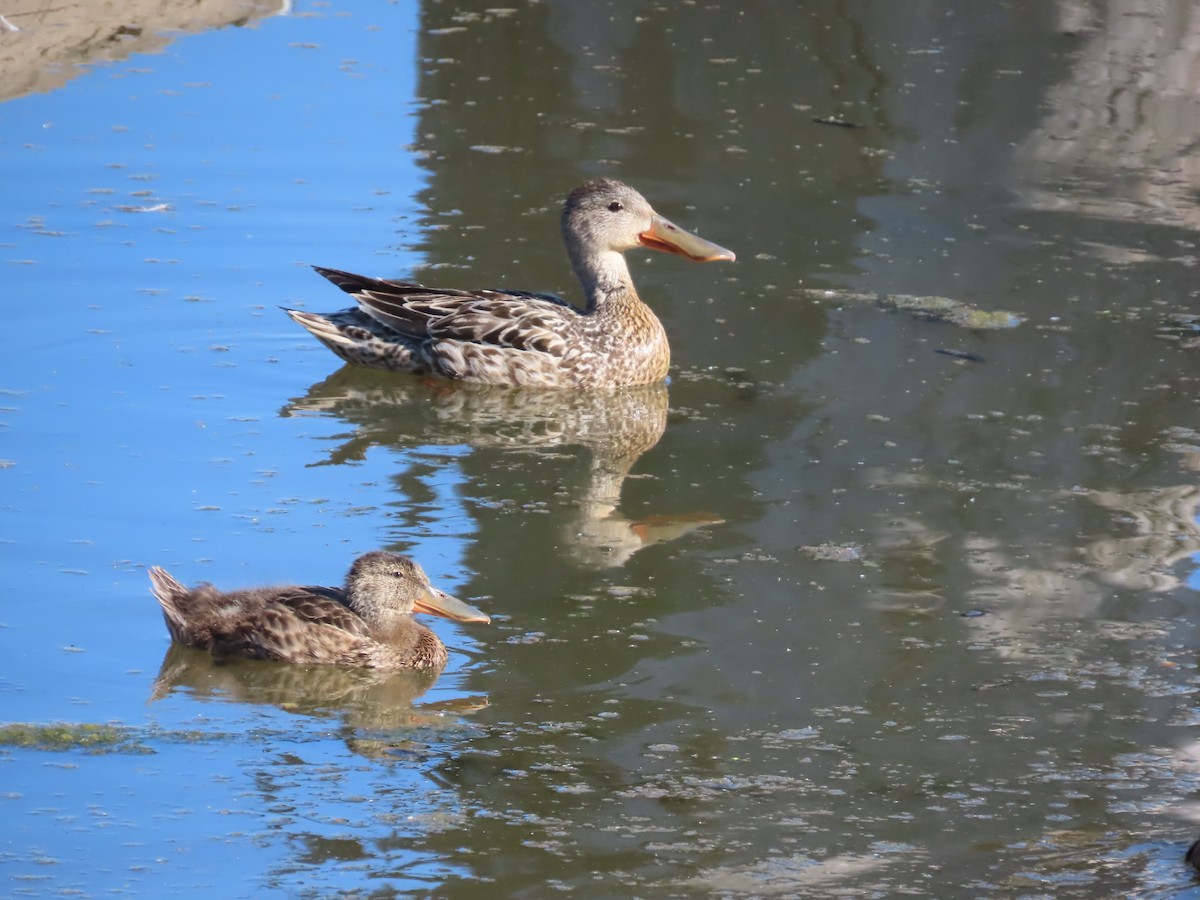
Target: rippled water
(870, 600)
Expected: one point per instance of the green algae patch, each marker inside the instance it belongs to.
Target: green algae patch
(937, 309)
(62, 736)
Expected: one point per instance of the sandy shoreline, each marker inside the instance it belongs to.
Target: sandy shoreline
(45, 44)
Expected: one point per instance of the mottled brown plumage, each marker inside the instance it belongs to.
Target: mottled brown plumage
(517, 337)
(367, 623)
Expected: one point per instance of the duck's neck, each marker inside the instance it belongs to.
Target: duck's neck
(605, 279)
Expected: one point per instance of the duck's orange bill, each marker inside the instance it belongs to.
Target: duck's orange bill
(668, 237)
(439, 603)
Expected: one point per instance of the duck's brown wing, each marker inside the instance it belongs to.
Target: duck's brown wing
(322, 606)
(286, 624)
(517, 320)
(493, 318)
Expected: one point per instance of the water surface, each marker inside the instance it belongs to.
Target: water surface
(835, 611)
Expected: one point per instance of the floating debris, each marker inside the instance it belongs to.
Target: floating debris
(494, 149)
(151, 208)
(97, 738)
(836, 122)
(959, 354)
(937, 309)
(834, 552)
(1183, 328)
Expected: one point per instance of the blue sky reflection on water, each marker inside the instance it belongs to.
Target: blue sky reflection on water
(132, 431)
(133, 435)
(214, 838)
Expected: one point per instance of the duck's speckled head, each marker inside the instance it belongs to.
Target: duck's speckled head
(384, 588)
(607, 215)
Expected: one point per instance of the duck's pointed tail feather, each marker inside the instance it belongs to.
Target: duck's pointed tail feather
(359, 340)
(169, 592)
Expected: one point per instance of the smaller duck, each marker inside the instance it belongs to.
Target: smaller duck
(366, 624)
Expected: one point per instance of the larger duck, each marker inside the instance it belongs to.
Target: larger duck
(517, 337)
(368, 623)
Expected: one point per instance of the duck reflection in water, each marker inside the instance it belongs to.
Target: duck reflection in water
(378, 709)
(616, 426)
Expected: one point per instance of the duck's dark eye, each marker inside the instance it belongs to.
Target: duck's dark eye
(615, 206)
(397, 573)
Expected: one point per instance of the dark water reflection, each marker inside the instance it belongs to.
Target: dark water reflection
(616, 427)
(831, 613)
